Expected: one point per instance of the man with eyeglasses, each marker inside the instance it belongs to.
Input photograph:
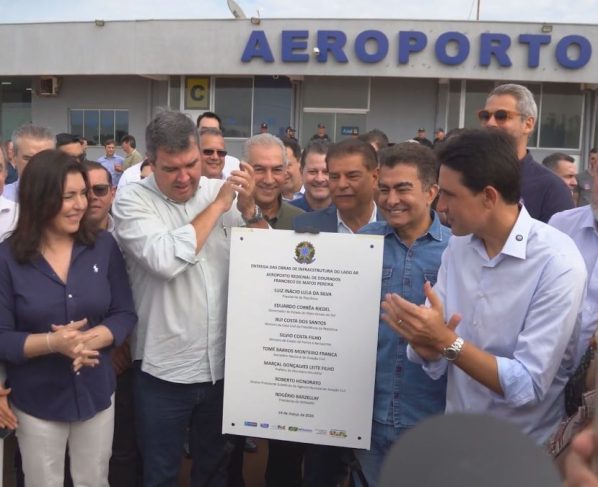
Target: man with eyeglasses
(71, 145)
(210, 119)
(212, 153)
(512, 108)
(101, 196)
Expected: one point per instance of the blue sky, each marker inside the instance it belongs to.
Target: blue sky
(581, 11)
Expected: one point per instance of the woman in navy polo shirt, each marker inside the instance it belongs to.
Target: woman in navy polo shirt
(64, 301)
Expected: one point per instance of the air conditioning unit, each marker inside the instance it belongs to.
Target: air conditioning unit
(48, 86)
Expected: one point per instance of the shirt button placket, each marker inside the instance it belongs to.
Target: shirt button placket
(70, 305)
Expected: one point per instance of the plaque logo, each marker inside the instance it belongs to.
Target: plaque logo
(305, 253)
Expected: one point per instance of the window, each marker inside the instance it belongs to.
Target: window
(272, 101)
(233, 97)
(560, 118)
(100, 125)
(15, 104)
(475, 99)
(454, 105)
(337, 92)
(245, 103)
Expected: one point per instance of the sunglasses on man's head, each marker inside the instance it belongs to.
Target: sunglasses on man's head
(209, 152)
(100, 190)
(500, 116)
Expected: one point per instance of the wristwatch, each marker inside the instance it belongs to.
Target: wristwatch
(257, 216)
(452, 351)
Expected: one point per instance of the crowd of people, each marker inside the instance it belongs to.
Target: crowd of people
(114, 282)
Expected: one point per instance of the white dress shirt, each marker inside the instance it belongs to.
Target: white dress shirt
(342, 227)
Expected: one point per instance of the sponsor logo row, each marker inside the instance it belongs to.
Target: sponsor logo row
(333, 432)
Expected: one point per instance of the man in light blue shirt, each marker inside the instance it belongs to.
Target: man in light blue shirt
(111, 161)
(414, 240)
(580, 224)
(502, 318)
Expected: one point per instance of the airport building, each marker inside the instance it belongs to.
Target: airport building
(104, 79)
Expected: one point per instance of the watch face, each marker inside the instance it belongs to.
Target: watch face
(450, 354)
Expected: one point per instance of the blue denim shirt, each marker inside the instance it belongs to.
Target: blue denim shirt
(404, 393)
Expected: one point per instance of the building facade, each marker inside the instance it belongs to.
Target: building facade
(105, 79)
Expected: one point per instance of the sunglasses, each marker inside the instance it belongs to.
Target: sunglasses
(100, 190)
(500, 116)
(209, 152)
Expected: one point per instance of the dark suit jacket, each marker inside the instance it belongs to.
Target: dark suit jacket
(322, 220)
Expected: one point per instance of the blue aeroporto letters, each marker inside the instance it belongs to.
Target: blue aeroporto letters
(450, 48)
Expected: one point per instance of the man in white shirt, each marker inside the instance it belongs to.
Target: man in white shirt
(174, 229)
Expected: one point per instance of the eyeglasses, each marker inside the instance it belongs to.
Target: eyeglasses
(501, 116)
(100, 190)
(210, 152)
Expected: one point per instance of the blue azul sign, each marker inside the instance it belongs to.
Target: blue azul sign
(450, 48)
